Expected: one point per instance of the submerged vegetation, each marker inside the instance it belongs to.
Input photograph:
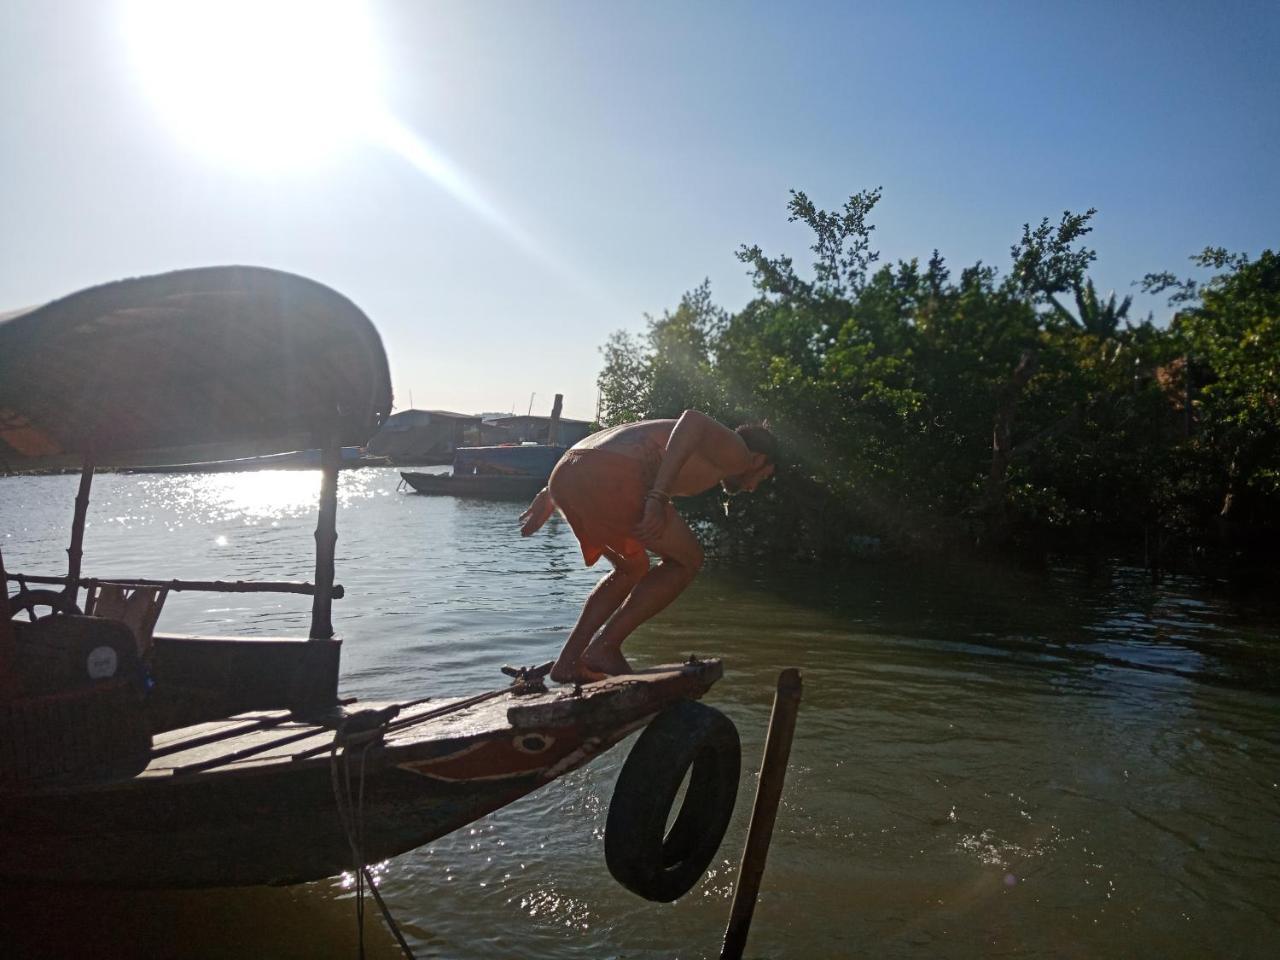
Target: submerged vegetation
(1014, 412)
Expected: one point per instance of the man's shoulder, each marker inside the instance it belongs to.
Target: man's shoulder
(645, 426)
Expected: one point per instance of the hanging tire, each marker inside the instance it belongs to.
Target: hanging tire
(641, 853)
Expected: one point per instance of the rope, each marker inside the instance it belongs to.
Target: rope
(351, 814)
(388, 726)
(366, 734)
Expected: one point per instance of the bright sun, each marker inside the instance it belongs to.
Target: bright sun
(264, 84)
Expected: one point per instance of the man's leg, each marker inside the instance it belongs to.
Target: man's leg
(607, 596)
(681, 560)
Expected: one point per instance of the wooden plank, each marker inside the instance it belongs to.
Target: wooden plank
(256, 739)
(243, 740)
(170, 737)
(620, 694)
(220, 731)
(272, 745)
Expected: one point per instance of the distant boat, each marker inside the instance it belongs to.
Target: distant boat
(507, 472)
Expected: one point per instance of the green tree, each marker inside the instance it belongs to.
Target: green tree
(939, 412)
(1232, 340)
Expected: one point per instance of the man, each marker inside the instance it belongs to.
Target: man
(615, 489)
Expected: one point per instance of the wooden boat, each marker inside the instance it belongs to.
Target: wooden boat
(508, 460)
(250, 799)
(507, 472)
(480, 486)
(135, 758)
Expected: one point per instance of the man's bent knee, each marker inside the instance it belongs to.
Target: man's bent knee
(633, 566)
(688, 564)
(694, 560)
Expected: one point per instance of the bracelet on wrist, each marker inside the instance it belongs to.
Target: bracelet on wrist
(658, 495)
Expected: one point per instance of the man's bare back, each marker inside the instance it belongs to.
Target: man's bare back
(646, 441)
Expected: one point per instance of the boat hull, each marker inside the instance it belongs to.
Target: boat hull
(480, 486)
(272, 816)
(271, 829)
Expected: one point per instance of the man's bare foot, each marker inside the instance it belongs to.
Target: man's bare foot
(610, 662)
(575, 673)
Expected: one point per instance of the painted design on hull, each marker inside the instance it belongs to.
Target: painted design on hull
(501, 758)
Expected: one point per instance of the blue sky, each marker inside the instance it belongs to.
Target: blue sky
(561, 169)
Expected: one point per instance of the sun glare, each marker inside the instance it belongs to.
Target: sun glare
(275, 86)
(265, 84)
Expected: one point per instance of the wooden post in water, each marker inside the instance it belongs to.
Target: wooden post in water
(9, 685)
(553, 428)
(75, 552)
(773, 771)
(326, 543)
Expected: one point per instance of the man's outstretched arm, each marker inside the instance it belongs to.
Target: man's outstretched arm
(694, 432)
(538, 513)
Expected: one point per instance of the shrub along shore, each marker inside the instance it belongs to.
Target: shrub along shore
(1006, 413)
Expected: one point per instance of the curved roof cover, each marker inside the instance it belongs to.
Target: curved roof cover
(193, 365)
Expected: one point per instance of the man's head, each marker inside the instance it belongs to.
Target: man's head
(764, 451)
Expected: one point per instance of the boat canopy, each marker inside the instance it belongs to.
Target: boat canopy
(203, 364)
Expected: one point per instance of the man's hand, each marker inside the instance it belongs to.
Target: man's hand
(654, 520)
(538, 513)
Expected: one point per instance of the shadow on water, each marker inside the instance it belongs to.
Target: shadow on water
(1089, 617)
(293, 923)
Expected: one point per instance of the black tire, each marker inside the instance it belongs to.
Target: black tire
(641, 853)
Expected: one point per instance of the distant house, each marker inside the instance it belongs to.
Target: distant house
(491, 435)
(535, 429)
(424, 436)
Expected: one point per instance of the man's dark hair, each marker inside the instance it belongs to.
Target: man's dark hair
(759, 439)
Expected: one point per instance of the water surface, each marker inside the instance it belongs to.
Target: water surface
(1065, 764)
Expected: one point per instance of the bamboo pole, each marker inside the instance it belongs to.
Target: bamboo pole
(9, 685)
(75, 552)
(177, 586)
(773, 771)
(326, 542)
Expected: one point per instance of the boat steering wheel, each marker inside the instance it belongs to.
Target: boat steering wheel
(29, 601)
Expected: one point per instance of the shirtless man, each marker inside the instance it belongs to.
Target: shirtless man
(615, 489)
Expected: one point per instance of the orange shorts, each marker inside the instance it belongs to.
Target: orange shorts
(601, 494)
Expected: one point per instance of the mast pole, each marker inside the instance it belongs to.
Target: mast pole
(553, 428)
(326, 543)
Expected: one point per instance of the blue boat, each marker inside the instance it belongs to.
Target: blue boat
(508, 460)
(507, 472)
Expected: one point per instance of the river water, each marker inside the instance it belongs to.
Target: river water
(1064, 764)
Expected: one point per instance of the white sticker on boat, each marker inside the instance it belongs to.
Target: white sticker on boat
(102, 663)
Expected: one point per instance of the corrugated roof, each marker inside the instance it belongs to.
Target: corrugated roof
(438, 413)
(533, 418)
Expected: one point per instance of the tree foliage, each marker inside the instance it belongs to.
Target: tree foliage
(1231, 339)
(924, 410)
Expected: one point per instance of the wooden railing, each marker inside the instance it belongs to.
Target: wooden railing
(216, 586)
